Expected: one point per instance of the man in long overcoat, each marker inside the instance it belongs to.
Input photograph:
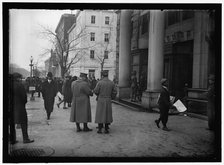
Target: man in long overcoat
(164, 104)
(211, 102)
(81, 109)
(105, 91)
(49, 91)
(19, 114)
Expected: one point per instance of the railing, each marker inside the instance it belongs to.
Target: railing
(196, 95)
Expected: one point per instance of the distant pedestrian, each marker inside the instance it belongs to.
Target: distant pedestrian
(81, 109)
(105, 91)
(66, 91)
(49, 91)
(164, 105)
(211, 102)
(18, 108)
(133, 82)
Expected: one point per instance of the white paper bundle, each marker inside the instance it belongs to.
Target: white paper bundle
(60, 95)
(172, 98)
(180, 106)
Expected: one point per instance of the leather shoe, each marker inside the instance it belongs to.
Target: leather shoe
(99, 131)
(58, 105)
(87, 129)
(157, 123)
(106, 131)
(28, 141)
(79, 130)
(166, 129)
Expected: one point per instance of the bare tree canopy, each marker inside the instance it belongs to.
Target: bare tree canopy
(67, 52)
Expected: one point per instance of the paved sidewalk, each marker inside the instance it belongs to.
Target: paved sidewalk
(132, 134)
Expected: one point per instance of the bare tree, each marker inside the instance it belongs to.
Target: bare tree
(68, 53)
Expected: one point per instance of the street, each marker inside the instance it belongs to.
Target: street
(132, 134)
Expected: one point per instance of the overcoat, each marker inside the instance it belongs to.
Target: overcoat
(66, 91)
(80, 110)
(104, 91)
(19, 103)
(211, 106)
(49, 91)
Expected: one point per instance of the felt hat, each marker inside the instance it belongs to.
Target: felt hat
(163, 80)
(49, 74)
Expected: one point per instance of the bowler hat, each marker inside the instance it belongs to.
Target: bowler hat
(49, 74)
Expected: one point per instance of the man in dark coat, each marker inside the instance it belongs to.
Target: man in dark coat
(81, 109)
(164, 105)
(211, 102)
(105, 91)
(49, 91)
(19, 114)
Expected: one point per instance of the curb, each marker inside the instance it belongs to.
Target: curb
(198, 116)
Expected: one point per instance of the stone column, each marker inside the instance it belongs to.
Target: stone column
(155, 58)
(124, 54)
(201, 51)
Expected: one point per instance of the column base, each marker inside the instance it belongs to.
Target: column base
(123, 92)
(149, 100)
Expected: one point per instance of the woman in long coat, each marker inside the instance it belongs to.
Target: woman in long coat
(81, 110)
(19, 101)
(105, 91)
(49, 91)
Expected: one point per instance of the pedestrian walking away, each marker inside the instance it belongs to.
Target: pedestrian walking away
(18, 110)
(164, 105)
(49, 91)
(105, 91)
(81, 109)
(66, 91)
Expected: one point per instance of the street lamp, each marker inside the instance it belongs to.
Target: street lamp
(31, 65)
(32, 87)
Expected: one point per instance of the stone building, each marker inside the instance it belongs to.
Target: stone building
(168, 43)
(94, 34)
(65, 23)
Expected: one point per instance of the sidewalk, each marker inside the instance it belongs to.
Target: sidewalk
(132, 134)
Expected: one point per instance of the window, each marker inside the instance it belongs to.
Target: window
(106, 37)
(92, 54)
(93, 17)
(107, 20)
(173, 17)
(187, 14)
(105, 54)
(144, 24)
(92, 36)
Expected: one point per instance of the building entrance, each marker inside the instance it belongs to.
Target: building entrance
(178, 68)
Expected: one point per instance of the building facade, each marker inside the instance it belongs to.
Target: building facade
(65, 23)
(170, 44)
(94, 36)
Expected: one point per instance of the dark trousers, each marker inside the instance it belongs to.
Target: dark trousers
(100, 126)
(24, 128)
(164, 112)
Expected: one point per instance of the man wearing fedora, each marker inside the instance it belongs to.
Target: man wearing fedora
(49, 91)
(81, 109)
(105, 91)
(164, 105)
(18, 109)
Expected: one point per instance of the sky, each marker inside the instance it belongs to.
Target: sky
(24, 34)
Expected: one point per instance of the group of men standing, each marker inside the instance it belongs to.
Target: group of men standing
(105, 90)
